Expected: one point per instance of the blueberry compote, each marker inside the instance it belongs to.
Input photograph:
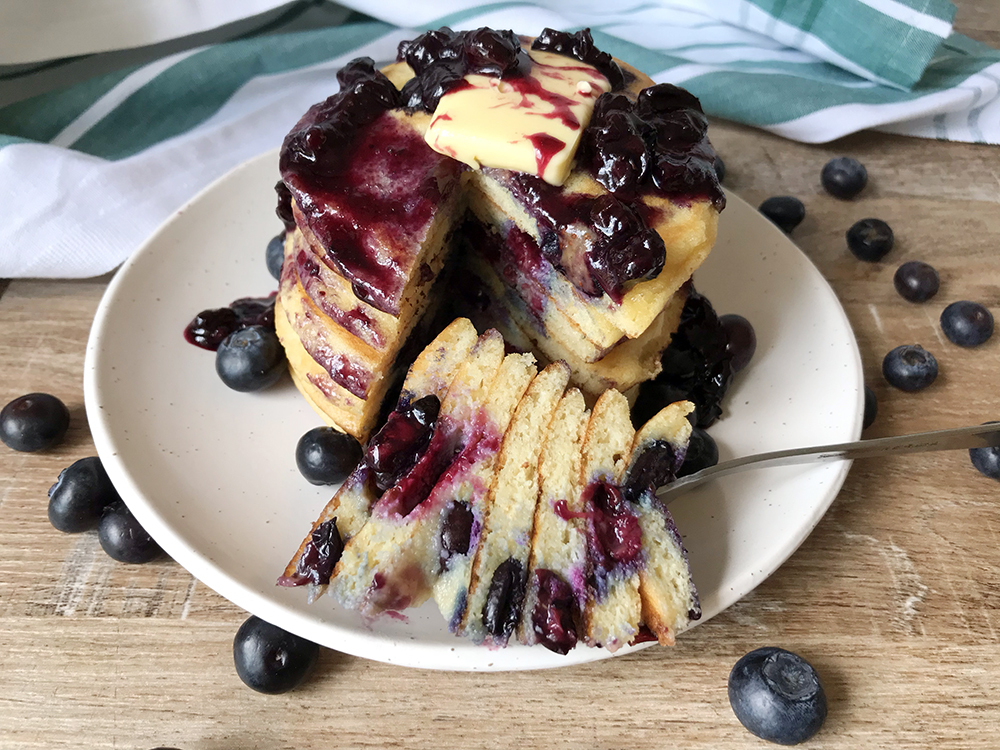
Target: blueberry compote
(442, 58)
(321, 554)
(365, 185)
(395, 449)
(210, 327)
(657, 144)
(697, 363)
(615, 536)
(552, 615)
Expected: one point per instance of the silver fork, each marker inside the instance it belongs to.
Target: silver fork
(978, 436)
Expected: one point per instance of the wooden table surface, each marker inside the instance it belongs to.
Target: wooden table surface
(895, 597)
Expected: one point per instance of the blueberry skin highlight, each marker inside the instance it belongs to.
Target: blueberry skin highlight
(80, 495)
(33, 422)
(777, 696)
(250, 359)
(967, 323)
(269, 659)
(909, 368)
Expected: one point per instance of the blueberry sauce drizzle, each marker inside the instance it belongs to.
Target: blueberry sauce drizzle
(209, 327)
(321, 554)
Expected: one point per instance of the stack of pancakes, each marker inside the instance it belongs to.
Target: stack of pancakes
(400, 230)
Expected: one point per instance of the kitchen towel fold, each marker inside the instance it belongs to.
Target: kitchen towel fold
(89, 171)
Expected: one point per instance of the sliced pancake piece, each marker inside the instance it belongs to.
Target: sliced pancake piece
(430, 375)
(496, 588)
(461, 493)
(556, 592)
(613, 611)
(669, 598)
(390, 563)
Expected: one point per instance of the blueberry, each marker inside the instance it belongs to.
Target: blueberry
(909, 368)
(741, 340)
(702, 452)
(987, 460)
(784, 210)
(871, 408)
(916, 281)
(79, 496)
(720, 169)
(844, 177)
(123, 538)
(326, 456)
(967, 323)
(33, 422)
(275, 255)
(870, 239)
(777, 696)
(250, 359)
(269, 659)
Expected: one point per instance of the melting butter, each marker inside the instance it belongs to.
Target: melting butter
(529, 124)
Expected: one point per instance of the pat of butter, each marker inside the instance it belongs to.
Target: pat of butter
(529, 124)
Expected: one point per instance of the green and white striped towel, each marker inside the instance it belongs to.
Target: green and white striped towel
(88, 172)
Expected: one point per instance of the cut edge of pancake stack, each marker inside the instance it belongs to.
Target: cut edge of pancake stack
(557, 540)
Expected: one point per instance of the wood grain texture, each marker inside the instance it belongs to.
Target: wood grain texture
(895, 597)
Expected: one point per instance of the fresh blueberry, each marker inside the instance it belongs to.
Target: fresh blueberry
(784, 210)
(741, 340)
(123, 538)
(275, 255)
(720, 169)
(702, 452)
(326, 456)
(269, 659)
(33, 422)
(967, 323)
(79, 496)
(250, 359)
(777, 696)
(870, 239)
(844, 177)
(916, 281)
(987, 460)
(871, 408)
(909, 367)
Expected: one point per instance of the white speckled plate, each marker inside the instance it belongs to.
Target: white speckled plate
(211, 472)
